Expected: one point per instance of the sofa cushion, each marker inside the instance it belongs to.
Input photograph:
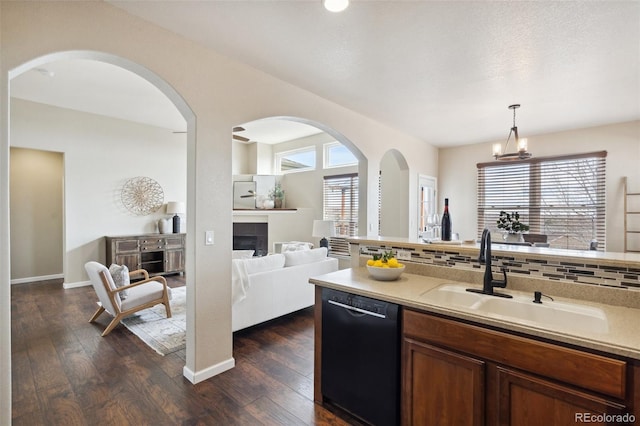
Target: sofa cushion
(296, 246)
(242, 254)
(301, 257)
(264, 263)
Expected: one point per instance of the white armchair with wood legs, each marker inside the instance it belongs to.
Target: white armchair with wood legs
(140, 295)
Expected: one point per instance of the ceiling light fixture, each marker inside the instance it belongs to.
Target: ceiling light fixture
(335, 5)
(521, 144)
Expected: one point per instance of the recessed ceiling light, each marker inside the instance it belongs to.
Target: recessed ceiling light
(335, 5)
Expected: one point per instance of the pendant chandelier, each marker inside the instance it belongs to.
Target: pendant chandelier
(521, 144)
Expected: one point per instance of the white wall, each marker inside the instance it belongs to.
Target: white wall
(394, 195)
(101, 154)
(458, 172)
(5, 258)
(204, 85)
(264, 159)
(37, 179)
(242, 162)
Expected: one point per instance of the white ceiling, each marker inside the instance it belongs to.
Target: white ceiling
(275, 130)
(98, 88)
(442, 71)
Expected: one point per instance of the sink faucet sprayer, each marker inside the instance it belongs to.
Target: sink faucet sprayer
(485, 256)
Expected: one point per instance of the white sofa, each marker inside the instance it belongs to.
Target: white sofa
(268, 287)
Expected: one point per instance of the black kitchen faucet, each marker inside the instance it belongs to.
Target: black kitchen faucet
(485, 256)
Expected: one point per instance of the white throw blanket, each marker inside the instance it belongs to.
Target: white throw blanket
(239, 280)
(242, 268)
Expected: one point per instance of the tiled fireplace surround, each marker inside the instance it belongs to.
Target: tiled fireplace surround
(587, 279)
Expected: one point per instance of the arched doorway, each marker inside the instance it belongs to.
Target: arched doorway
(135, 68)
(262, 142)
(70, 269)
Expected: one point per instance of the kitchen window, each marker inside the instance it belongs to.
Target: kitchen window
(341, 205)
(562, 197)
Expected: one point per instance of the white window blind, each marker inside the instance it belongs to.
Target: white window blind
(562, 197)
(341, 206)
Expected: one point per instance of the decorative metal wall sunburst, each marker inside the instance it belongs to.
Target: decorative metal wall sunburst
(142, 195)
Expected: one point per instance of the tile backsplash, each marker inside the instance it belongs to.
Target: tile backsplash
(552, 269)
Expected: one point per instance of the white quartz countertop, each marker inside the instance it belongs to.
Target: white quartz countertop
(623, 337)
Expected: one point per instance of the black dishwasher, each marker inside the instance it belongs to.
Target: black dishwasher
(361, 356)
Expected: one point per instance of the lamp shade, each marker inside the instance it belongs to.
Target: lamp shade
(176, 207)
(323, 228)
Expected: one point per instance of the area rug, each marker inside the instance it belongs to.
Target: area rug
(162, 334)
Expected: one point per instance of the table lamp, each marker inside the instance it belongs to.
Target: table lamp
(323, 229)
(176, 208)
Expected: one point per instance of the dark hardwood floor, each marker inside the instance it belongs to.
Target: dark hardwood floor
(64, 373)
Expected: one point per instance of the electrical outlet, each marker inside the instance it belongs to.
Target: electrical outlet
(403, 255)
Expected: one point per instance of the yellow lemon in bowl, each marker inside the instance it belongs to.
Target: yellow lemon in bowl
(385, 274)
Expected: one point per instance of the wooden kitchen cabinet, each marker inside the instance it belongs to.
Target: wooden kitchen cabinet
(456, 373)
(158, 254)
(525, 399)
(441, 387)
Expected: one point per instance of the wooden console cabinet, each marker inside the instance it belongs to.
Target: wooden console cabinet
(463, 374)
(159, 254)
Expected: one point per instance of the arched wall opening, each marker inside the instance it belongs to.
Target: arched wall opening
(308, 191)
(145, 74)
(394, 195)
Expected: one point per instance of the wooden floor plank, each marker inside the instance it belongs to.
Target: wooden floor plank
(64, 372)
(25, 398)
(269, 413)
(60, 406)
(45, 364)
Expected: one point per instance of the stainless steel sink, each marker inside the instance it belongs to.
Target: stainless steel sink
(559, 315)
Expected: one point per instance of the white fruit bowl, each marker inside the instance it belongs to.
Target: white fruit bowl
(385, 274)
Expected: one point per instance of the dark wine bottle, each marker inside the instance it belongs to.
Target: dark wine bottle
(445, 225)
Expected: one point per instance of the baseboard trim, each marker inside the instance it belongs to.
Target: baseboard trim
(209, 372)
(34, 279)
(77, 284)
